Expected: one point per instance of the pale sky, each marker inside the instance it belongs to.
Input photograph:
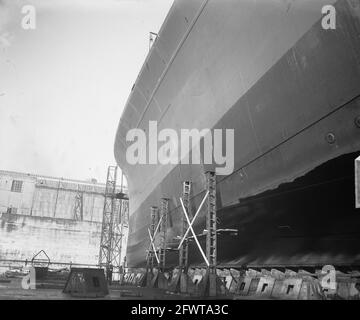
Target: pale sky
(63, 86)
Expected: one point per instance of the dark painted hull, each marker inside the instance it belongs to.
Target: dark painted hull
(297, 117)
(311, 221)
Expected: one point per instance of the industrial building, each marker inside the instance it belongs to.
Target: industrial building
(61, 216)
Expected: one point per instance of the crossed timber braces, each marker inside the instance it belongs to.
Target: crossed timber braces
(212, 283)
(152, 239)
(190, 228)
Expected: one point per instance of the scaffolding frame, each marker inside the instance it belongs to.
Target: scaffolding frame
(163, 243)
(211, 280)
(115, 216)
(184, 248)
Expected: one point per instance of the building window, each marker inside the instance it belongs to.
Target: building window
(16, 186)
(12, 210)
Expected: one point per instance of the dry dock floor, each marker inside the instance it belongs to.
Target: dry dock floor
(13, 291)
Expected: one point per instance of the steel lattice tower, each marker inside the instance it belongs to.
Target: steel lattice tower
(164, 210)
(184, 250)
(120, 221)
(211, 220)
(108, 218)
(151, 254)
(115, 217)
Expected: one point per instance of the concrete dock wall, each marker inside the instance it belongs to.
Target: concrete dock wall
(63, 240)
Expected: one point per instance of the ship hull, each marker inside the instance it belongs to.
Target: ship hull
(292, 115)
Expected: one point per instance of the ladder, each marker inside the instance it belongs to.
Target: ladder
(184, 249)
(106, 241)
(163, 244)
(150, 256)
(211, 220)
(212, 281)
